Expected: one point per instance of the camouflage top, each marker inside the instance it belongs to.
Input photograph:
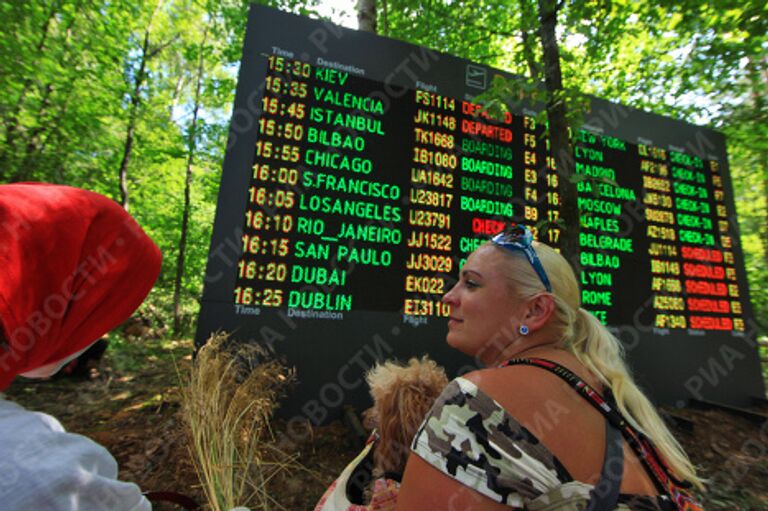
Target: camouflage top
(470, 437)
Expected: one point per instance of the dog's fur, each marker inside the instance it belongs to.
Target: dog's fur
(402, 396)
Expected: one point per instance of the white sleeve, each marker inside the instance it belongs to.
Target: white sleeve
(43, 468)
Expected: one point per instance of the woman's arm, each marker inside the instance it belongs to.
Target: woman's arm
(426, 488)
(44, 467)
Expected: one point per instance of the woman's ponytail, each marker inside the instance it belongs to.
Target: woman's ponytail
(595, 347)
(603, 355)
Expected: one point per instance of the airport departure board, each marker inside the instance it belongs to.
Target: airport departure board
(360, 174)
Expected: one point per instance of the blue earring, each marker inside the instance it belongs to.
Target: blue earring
(523, 330)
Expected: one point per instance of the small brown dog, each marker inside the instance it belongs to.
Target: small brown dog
(402, 396)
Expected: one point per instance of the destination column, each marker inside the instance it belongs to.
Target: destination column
(600, 200)
(350, 211)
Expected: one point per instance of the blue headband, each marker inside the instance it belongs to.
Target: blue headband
(519, 237)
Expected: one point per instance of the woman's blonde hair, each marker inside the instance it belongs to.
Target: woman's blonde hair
(585, 336)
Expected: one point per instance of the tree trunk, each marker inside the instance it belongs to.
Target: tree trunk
(12, 120)
(48, 123)
(134, 113)
(560, 144)
(366, 15)
(763, 158)
(526, 20)
(757, 83)
(34, 137)
(51, 132)
(384, 17)
(192, 146)
(176, 94)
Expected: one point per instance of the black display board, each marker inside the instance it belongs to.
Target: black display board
(359, 175)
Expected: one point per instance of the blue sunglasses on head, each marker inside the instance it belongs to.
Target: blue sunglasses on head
(519, 237)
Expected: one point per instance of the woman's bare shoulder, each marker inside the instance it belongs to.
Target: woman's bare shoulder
(551, 410)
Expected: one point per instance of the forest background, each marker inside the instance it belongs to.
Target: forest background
(132, 98)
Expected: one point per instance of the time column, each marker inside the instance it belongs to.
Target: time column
(272, 195)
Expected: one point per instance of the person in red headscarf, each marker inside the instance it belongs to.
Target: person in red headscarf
(73, 265)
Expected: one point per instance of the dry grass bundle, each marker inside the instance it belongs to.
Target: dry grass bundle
(227, 403)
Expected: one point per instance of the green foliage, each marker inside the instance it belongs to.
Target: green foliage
(128, 356)
(54, 125)
(68, 73)
(476, 30)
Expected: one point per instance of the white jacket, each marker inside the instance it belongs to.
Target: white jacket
(42, 468)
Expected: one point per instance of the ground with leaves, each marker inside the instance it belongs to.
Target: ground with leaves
(132, 407)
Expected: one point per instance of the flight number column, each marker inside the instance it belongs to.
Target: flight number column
(429, 240)
(266, 244)
(689, 279)
(668, 303)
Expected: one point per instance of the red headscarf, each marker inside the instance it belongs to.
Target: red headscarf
(73, 265)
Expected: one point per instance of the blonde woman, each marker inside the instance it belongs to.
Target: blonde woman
(560, 427)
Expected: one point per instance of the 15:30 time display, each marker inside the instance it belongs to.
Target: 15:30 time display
(295, 67)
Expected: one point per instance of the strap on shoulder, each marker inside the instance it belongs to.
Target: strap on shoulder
(605, 495)
(603, 405)
(640, 444)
